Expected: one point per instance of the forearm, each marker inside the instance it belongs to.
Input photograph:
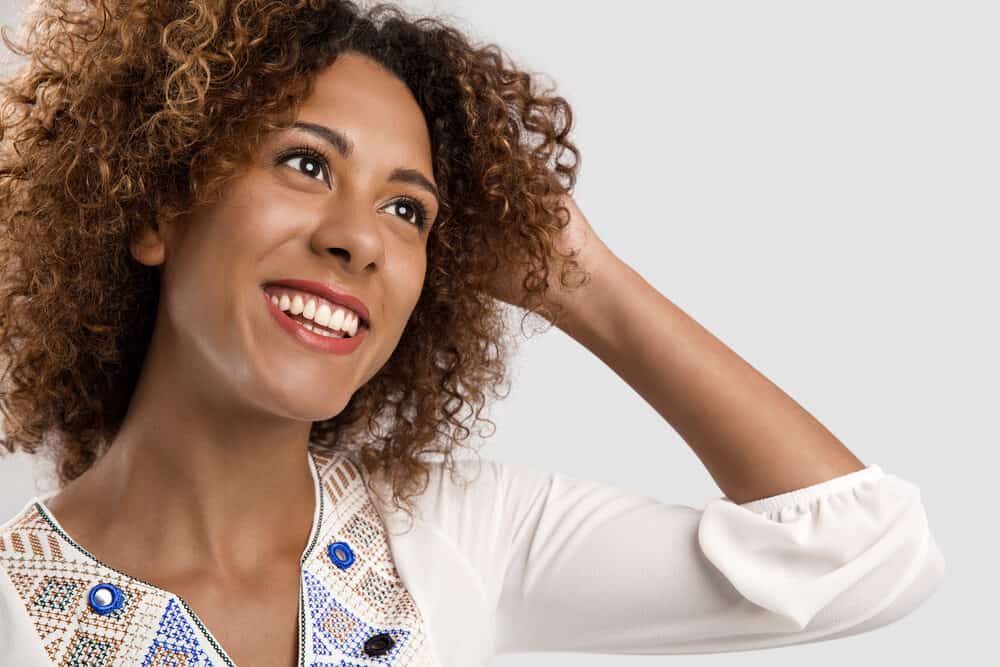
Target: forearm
(754, 439)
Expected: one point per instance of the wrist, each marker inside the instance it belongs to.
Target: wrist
(590, 313)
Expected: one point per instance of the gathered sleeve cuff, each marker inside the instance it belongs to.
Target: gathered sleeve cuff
(589, 567)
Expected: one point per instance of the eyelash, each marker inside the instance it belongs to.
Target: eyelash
(320, 156)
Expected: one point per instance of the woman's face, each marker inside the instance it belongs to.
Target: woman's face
(344, 221)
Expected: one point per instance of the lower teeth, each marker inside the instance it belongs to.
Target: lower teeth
(316, 330)
(319, 330)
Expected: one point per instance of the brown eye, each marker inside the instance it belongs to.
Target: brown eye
(306, 160)
(307, 164)
(413, 211)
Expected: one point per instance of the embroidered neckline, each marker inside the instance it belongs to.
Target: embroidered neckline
(349, 606)
(318, 516)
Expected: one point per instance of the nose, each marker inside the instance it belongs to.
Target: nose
(350, 231)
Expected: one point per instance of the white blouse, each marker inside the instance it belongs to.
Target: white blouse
(516, 560)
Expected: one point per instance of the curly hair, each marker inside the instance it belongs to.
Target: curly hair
(129, 112)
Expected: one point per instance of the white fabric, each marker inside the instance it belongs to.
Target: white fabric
(19, 643)
(524, 561)
(521, 560)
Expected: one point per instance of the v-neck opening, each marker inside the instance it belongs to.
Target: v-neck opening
(318, 512)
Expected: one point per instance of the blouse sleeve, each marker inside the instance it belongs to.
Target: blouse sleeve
(580, 566)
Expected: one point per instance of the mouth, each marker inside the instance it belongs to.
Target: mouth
(319, 303)
(316, 315)
(341, 337)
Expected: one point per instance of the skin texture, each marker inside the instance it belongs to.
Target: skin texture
(755, 440)
(227, 397)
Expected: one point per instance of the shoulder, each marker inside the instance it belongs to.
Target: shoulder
(468, 484)
(25, 547)
(25, 536)
(472, 505)
(26, 542)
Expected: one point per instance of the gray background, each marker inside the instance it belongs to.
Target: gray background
(816, 183)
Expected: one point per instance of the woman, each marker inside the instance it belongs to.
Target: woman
(254, 261)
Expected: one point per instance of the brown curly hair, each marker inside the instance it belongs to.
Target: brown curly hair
(128, 112)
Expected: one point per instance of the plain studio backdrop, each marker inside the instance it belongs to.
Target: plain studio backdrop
(816, 184)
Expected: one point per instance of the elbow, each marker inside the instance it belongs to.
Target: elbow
(855, 559)
(928, 580)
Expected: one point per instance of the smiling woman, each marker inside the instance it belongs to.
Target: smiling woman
(375, 154)
(254, 259)
(234, 232)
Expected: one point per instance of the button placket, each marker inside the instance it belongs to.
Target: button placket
(341, 555)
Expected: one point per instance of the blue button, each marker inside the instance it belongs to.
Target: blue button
(340, 554)
(105, 598)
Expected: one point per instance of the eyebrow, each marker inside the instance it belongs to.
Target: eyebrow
(345, 147)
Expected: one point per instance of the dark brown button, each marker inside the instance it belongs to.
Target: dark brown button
(379, 644)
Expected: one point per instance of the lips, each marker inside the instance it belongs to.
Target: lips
(327, 292)
(337, 346)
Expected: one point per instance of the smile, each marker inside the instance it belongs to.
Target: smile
(316, 336)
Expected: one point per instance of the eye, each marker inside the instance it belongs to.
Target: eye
(414, 211)
(307, 161)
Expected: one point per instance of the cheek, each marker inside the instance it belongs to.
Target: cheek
(404, 288)
(206, 279)
(419, 275)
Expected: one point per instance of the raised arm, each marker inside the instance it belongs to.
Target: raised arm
(808, 544)
(754, 439)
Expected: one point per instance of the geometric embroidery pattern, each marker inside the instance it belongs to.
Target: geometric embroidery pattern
(90, 650)
(341, 608)
(176, 642)
(346, 607)
(53, 576)
(339, 633)
(56, 593)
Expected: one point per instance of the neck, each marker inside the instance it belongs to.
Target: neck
(196, 484)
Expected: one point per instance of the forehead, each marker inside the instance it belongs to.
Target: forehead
(372, 107)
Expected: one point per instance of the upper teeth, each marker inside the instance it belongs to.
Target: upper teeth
(312, 307)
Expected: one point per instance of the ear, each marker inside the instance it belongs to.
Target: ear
(149, 244)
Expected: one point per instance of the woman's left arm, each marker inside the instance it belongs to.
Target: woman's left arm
(754, 439)
(809, 544)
